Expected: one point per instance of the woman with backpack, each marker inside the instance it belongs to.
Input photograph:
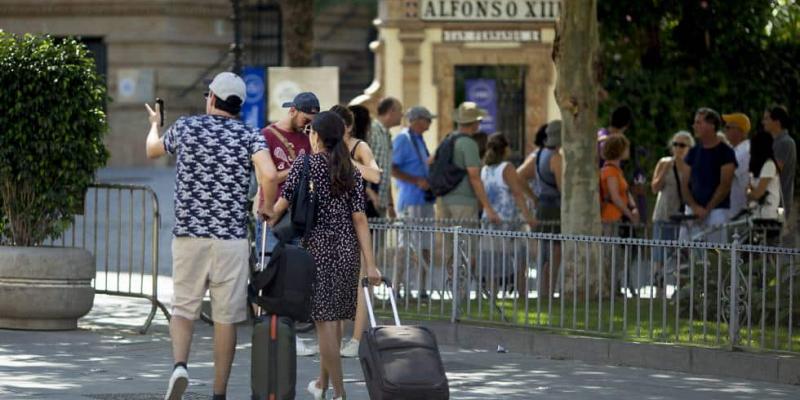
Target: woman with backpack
(335, 242)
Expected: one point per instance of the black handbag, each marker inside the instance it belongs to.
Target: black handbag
(301, 217)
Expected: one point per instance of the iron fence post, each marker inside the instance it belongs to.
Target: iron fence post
(455, 277)
(733, 319)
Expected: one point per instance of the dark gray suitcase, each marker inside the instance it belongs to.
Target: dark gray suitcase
(273, 370)
(401, 362)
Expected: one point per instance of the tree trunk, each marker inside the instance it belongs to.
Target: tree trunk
(298, 31)
(575, 55)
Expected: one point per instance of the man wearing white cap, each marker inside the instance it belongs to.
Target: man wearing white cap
(214, 155)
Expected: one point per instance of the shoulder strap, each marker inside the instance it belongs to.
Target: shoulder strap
(539, 170)
(353, 152)
(286, 143)
(416, 149)
(677, 179)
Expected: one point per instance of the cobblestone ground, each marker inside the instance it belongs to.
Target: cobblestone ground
(106, 359)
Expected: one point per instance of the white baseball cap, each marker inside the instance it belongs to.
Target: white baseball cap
(227, 84)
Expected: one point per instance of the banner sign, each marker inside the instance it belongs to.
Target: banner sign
(484, 93)
(254, 108)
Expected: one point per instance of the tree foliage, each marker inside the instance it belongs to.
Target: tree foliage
(666, 58)
(51, 140)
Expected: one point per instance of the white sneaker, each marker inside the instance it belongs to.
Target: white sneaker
(177, 384)
(304, 350)
(350, 349)
(318, 393)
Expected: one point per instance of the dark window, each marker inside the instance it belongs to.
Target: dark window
(509, 99)
(262, 33)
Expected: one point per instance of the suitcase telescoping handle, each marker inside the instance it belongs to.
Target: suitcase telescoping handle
(261, 265)
(368, 299)
(263, 243)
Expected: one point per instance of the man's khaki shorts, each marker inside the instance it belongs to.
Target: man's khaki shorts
(219, 266)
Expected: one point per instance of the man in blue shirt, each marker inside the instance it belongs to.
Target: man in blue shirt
(410, 158)
(707, 177)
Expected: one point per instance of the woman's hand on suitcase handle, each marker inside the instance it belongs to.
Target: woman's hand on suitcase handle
(374, 275)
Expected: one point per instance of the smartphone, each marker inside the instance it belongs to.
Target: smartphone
(160, 103)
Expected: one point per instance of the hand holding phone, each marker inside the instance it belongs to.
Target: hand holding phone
(160, 110)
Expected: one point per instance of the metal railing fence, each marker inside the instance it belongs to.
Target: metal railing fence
(120, 226)
(637, 289)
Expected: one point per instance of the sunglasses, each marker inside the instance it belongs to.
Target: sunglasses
(206, 94)
(679, 144)
(307, 129)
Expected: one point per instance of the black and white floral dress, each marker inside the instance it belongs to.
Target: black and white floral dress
(333, 242)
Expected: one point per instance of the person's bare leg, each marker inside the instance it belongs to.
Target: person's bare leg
(330, 361)
(224, 350)
(360, 322)
(180, 331)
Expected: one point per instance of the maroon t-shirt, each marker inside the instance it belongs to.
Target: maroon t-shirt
(279, 153)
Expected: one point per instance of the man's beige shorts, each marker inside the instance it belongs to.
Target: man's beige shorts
(220, 266)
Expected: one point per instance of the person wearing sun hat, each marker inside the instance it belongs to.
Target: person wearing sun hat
(737, 129)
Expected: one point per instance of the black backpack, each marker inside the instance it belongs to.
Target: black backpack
(284, 286)
(444, 174)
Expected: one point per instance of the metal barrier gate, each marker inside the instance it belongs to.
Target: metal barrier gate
(117, 223)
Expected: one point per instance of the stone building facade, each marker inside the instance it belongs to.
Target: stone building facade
(428, 50)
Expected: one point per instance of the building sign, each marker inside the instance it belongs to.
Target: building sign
(254, 109)
(135, 85)
(491, 36)
(489, 10)
(484, 93)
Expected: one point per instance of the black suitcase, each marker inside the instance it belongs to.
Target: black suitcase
(273, 370)
(400, 362)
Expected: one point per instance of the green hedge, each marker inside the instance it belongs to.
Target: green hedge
(51, 141)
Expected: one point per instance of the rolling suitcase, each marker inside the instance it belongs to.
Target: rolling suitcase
(273, 371)
(400, 362)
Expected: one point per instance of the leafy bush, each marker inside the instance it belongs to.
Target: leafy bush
(51, 141)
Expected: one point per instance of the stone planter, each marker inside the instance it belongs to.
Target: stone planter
(45, 288)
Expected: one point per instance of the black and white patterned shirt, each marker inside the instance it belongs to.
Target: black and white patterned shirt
(213, 173)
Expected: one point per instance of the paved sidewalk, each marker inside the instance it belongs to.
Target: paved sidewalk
(106, 359)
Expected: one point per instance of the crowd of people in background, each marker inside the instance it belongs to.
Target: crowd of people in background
(721, 172)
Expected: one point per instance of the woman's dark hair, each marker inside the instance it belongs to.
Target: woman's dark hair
(361, 121)
(344, 113)
(330, 129)
(495, 149)
(621, 117)
(231, 106)
(780, 114)
(541, 136)
(760, 152)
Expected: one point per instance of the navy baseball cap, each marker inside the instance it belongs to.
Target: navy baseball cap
(306, 102)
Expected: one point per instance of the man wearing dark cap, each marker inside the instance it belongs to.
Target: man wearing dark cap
(287, 140)
(214, 155)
